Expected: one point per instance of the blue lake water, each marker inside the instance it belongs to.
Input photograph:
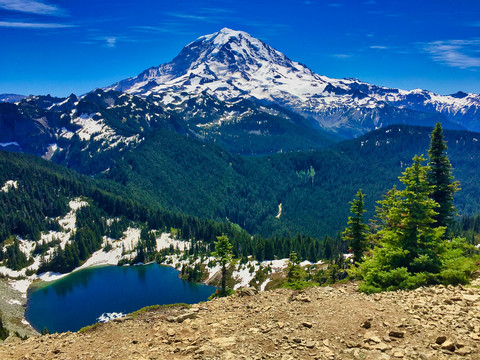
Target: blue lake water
(80, 298)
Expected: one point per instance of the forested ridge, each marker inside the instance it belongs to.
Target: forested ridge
(314, 187)
(170, 181)
(42, 194)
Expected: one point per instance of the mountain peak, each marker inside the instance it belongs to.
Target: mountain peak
(225, 35)
(222, 57)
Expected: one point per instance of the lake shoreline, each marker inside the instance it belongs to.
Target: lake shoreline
(102, 291)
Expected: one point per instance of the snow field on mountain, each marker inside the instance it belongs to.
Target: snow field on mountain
(231, 64)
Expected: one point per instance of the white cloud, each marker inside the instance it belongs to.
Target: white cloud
(379, 47)
(342, 56)
(32, 7)
(461, 54)
(111, 42)
(33, 25)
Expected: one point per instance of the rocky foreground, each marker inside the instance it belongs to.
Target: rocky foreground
(319, 323)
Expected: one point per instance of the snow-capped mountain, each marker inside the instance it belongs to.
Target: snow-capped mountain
(11, 98)
(232, 64)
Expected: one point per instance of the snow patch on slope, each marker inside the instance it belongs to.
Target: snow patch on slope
(9, 184)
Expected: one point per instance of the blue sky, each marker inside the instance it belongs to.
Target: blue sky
(67, 46)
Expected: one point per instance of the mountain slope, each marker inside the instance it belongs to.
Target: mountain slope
(105, 121)
(314, 187)
(231, 64)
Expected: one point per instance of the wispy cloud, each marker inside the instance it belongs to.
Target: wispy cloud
(190, 16)
(33, 25)
(110, 42)
(32, 7)
(335, 5)
(342, 56)
(209, 10)
(379, 47)
(463, 54)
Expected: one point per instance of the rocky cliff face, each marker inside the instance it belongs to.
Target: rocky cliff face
(319, 323)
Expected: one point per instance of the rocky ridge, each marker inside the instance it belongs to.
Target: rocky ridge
(318, 323)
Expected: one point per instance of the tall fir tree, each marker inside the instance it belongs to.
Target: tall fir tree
(224, 256)
(407, 253)
(355, 234)
(441, 179)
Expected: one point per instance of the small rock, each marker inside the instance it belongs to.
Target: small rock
(441, 339)
(396, 334)
(448, 345)
(247, 291)
(366, 324)
(463, 351)
(297, 340)
(185, 316)
(171, 332)
(302, 297)
(310, 344)
(471, 298)
(307, 324)
(382, 346)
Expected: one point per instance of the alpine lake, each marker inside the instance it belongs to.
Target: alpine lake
(87, 296)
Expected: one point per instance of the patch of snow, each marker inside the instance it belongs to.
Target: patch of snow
(9, 184)
(130, 239)
(51, 276)
(106, 317)
(277, 265)
(264, 284)
(101, 257)
(91, 126)
(66, 134)
(14, 302)
(244, 276)
(21, 286)
(165, 240)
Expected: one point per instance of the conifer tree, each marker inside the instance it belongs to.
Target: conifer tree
(440, 178)
(407, 253)
(355, 233)
(224, 255)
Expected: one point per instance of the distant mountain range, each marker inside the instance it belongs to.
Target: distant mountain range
(10, 98)
(232, 89)
(232, 64)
